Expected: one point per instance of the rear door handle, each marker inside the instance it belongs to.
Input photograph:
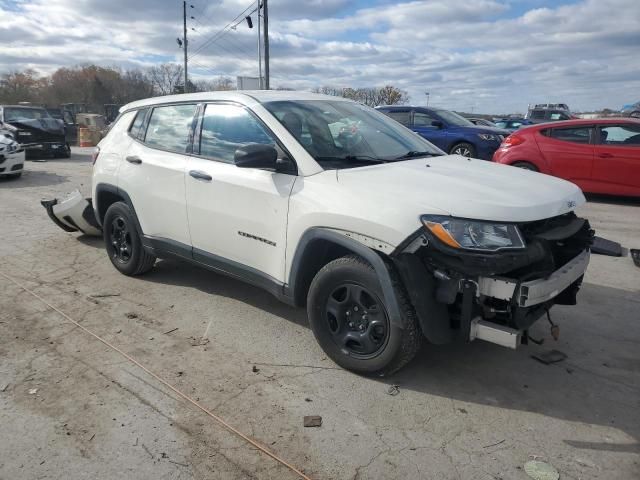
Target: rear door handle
(134, 159)
(198, 175)
(605, 155)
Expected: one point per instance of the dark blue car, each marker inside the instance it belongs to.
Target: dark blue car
(448, 130)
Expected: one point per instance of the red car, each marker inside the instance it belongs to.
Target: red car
(599, 155)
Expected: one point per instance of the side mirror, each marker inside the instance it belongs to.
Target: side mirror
(438, 124)
(256, 155)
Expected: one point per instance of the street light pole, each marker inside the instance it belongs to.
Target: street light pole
(265, 17)
(259, 49)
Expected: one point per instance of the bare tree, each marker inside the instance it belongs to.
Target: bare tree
(371, 96)
(221, 83)
(165, 77)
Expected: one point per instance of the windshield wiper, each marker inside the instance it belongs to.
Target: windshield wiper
(352, 158)
(414, 154)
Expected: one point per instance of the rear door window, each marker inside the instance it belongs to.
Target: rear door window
(573, 135)
(400, 116)
(169, 127)
(225, 128)
(620, 135)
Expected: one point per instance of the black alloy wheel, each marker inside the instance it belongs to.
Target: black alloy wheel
(120, 240)
(357, 320)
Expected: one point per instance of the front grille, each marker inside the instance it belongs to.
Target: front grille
(40, 137)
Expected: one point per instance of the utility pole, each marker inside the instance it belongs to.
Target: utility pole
(265, 17)
(184, 44)
(259, 50)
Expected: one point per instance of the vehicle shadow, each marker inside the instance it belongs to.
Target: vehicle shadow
(32, 178)
(91, 241)
(599, 383)
(612, 200)
(174, 272)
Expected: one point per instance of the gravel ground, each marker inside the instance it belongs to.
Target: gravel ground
(71, 408)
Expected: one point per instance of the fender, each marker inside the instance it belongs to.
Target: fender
(118, 192)
(316, 234)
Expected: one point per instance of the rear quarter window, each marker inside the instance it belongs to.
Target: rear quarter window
(135, 130)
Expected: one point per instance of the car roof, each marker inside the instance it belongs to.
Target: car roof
(246, 97)
(407, 107)
(587, 121)
(32, 107)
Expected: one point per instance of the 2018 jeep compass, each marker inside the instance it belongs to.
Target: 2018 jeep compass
(330, 204)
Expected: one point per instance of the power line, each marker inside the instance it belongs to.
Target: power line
(214, 37)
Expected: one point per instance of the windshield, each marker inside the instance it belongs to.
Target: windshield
(340, 134)
(453, 118)
(16, 114)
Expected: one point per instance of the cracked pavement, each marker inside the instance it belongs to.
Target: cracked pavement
(463, 412)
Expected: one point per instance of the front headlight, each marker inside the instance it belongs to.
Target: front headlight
(488, 137)
(472, 234)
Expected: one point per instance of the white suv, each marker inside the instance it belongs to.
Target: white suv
(330, 204)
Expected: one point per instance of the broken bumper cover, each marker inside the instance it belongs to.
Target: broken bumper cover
(535, 292)
(73, 214)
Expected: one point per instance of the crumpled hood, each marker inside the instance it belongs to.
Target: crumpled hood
(49, 125)
(466, 188)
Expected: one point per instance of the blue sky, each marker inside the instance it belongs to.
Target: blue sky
(490, 56)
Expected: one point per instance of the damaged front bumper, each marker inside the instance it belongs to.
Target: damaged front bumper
(496, 297)
(534, 292)
(73, 214)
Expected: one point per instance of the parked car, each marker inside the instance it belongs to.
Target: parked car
(11, 156)
(448, 131)
(512, 124)
(483, 122)
(631, 110)
(327, 203)
(598, 155)
(549, 112)
(37, 131)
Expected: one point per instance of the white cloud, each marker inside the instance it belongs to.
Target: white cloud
(475, 54)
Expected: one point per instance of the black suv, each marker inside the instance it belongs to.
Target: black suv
(36, 130)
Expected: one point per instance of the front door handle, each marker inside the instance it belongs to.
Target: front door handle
(198, 175)
(605, 155)
(136, 160)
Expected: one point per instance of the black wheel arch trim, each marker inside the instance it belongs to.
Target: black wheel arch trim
(109, 188)
(292, 289)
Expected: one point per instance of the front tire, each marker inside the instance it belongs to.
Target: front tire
(66, 152)
(123, 243)
(350, 320)
(464, 149)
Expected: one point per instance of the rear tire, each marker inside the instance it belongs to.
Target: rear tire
(525, 166)
(123, 243)
(464, 149)
(349, 318)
